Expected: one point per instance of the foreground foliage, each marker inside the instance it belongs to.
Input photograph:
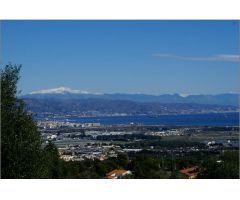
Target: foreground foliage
(22, 152)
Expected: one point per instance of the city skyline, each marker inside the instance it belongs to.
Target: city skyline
(150, 57)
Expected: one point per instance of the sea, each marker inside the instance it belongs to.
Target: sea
(210, 119)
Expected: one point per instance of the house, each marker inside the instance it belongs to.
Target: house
(191, 172)
(117, 173)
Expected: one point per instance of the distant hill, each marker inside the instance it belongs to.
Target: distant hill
(64, 93)
(100, 107)
(67, 102)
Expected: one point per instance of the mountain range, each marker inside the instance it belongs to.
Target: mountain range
(65, 93)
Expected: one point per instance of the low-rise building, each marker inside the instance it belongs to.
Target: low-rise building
(118, 174)
(191, 172)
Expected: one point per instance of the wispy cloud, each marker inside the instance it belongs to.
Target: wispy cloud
(222, 57)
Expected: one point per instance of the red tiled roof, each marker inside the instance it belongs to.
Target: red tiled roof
(191, 171)
(116, 171)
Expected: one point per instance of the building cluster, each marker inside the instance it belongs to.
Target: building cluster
(172, 132)
(79, 141)
(65, 124)
(222, 143)
(92, 134)
(92, 150)
(88, 151)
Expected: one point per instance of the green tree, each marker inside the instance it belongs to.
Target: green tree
(21, 144)
(52, 161)
(224, 166)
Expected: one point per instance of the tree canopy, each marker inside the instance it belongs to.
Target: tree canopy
(22, 154)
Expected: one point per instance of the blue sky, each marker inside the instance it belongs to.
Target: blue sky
(153, 57)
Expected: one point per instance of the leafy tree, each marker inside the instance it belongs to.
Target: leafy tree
(52, 161)
(21, 144)
(224, 166)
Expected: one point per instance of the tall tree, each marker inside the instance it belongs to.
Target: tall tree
(21, 145)
(52, 161)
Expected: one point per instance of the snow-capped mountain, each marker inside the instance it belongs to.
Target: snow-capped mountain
(61, 90)
(68, 93)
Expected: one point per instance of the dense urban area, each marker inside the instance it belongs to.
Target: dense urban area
(165, 151)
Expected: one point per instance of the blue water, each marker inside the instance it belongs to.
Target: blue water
(213, 119)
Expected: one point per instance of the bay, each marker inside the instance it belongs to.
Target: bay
(210, 119)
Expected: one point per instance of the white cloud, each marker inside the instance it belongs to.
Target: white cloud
(223, 57)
